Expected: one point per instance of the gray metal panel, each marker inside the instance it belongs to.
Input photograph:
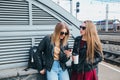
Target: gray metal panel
(41, 17)
(14, 12)
(16, 40)
(13, 50)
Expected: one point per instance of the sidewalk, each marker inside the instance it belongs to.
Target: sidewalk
(108, 71)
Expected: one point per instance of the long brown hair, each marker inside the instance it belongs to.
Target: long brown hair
(93, 41)
(56, 33)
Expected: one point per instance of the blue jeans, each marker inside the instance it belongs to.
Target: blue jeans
(57, 73)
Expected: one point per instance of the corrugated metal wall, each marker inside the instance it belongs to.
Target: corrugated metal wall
(40, 17)
(16, 42)
(17, 35)
(14, 12)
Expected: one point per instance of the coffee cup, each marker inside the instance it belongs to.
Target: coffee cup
(76, 59)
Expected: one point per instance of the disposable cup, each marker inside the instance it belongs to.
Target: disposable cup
(76, 59)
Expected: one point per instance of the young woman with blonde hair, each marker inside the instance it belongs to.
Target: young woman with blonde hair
(55, 49)
(89, 49)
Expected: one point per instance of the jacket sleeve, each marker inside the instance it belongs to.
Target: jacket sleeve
(39, 54)
(75, 46)
(98, 57)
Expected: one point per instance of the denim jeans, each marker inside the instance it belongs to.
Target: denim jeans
(57, 73)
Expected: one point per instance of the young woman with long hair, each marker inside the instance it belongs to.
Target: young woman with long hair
(89, 49)
(55, 49)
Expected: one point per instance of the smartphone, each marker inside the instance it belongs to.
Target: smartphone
(70, 49)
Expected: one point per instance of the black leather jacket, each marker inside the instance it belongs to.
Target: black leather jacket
(84, 65)
(46, 47)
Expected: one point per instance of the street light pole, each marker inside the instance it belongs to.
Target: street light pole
(71, 6)
(106, 28)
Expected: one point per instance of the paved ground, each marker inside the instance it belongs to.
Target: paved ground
(108, 72)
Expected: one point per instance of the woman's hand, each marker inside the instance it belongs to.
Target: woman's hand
(42, 71)
(68, 52)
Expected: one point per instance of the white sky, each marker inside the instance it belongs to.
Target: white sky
(92, 9)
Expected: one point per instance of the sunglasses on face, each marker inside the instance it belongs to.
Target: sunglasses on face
(61, 33)
(82, 27)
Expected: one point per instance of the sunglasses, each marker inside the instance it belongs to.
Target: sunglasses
(82, 27)
(61, 33)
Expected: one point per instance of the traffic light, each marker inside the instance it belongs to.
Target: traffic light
(77, 4)
(77, 7)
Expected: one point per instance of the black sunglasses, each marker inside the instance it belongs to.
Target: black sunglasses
(61, 33)
(82, 27)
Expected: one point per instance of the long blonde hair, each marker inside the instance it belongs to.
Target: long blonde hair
(56, 33)
(93, 41)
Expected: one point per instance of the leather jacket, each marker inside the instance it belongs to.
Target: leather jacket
(83, 64)
(47, 48)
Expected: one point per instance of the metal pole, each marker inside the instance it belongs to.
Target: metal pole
(76, 14)
(71, 6)
(106, 28)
